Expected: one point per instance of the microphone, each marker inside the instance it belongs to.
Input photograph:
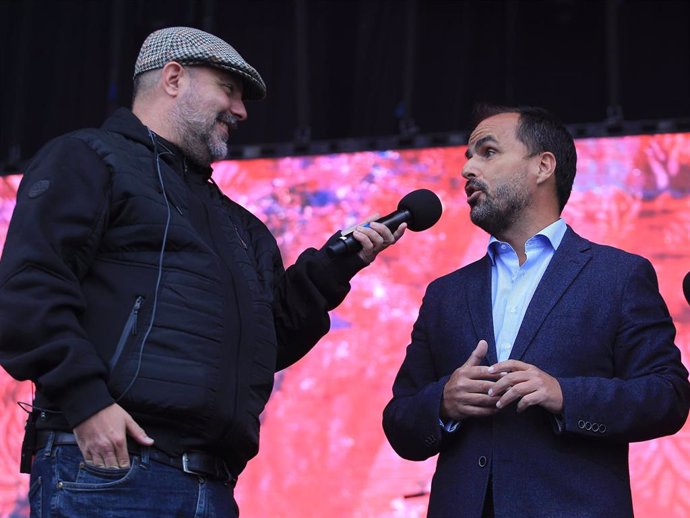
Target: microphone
(686, 287)
(420, 209)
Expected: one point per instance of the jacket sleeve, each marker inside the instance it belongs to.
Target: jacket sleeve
(648, 396)
(411, 419)
(53, 235)
(304, 294)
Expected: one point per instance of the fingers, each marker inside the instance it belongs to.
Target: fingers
(137, 433)
(467, 392)
(526, 394)
(527, 385)
(460, 402)
(510, 393)
(374, 237)
(113, 453)
(105, 452)
(115, 459)
(478, 354)
(515, 382)
(475, 390)
(399, 231)
(374, 234)
(88, 456)
(119, 456)
(509, 366)
(102, 438)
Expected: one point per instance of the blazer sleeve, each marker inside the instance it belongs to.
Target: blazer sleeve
(648, 395)
(411, 418)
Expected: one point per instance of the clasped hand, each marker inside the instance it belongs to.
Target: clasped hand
(475, 390)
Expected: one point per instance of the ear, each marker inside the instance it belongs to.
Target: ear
(547, 167)
(172, 77)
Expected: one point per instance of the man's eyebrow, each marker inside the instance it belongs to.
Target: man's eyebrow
(479, 143)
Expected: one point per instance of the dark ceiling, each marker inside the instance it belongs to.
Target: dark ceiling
(344, 69)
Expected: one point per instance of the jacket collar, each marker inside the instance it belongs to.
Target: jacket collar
(572, 255)
(478, 294)
(124, 122)
(566, 264)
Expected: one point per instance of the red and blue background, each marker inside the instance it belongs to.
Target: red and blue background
(323, 452)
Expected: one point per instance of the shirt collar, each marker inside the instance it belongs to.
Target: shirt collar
(553, 233)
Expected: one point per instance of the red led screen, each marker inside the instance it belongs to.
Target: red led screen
(323, 452)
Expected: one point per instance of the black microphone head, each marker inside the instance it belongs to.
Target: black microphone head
(686, 287)
(424, 207)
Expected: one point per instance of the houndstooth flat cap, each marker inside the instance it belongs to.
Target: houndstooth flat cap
(189, 46)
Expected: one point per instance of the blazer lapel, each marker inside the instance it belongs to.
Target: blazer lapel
(478, 293)
(566, 264)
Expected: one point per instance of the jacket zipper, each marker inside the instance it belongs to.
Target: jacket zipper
(129, 329)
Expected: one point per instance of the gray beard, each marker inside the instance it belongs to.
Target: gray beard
(499, 212)
(197, 135)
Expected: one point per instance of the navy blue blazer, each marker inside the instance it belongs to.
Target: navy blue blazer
(599, 325)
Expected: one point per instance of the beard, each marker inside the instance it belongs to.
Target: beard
(495, 212)
(198, 132)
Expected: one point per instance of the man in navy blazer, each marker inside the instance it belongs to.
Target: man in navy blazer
(531, 370)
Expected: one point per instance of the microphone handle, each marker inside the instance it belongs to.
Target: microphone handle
(348, 244)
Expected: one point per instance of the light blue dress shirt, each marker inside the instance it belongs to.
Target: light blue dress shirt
(513, 285)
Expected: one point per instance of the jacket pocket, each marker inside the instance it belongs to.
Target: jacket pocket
(130, 329)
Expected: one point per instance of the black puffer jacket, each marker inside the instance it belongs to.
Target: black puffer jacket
(187, 340)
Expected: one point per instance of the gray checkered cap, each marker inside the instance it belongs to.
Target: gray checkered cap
(189, 46)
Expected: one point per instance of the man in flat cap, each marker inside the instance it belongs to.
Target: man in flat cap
(149, 309)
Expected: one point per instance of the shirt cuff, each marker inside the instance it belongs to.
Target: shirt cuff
(450, 426)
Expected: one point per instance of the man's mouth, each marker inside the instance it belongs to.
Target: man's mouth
(228, 123)
(224, 126)
(473, 192)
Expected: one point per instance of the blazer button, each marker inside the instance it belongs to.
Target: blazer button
(581, 423)
(596, 427)
(482, 461)
(602, 428)
(588, 426)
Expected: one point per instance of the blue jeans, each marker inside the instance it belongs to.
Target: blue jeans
(63, 486)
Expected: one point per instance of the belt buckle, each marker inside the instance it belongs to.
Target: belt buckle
(225, 474)
(185, 465)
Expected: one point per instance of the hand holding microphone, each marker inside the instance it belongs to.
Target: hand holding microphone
(420, 209)
(373, 238)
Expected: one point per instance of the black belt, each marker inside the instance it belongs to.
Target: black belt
(192, 462)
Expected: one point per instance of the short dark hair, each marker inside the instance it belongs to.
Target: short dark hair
(540, 130)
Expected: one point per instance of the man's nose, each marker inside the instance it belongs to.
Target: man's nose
(239, 110)
(468, 171)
